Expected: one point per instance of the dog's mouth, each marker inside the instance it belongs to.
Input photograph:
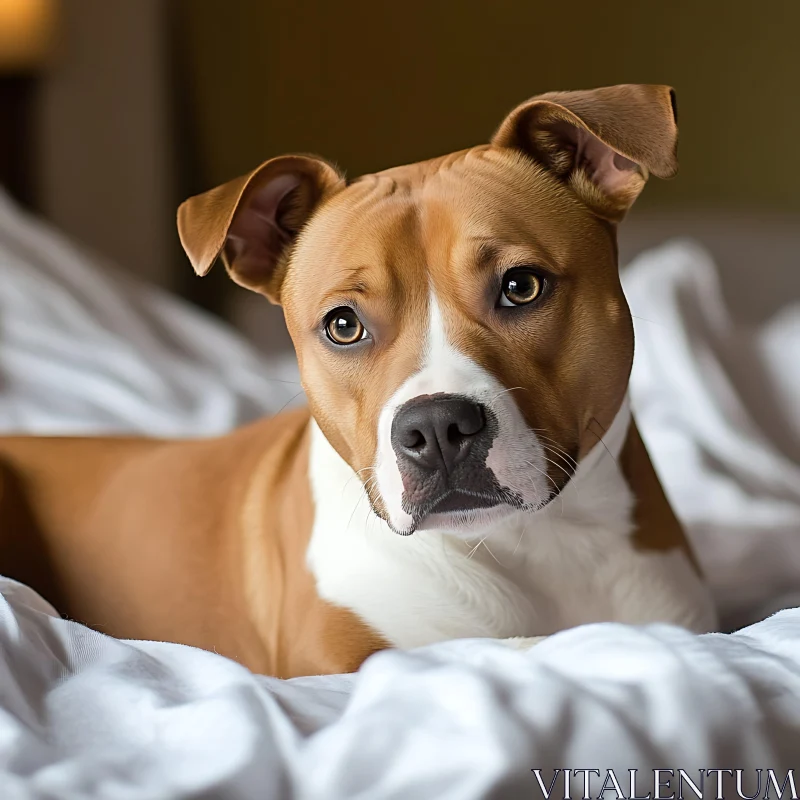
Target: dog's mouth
(463, 508)
(458, 500)
(458, 508)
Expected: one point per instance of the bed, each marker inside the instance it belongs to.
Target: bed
(85, 349)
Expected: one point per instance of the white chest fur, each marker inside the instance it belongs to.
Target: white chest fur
(534, 573)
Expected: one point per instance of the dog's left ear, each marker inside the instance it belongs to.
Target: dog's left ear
(602, 142)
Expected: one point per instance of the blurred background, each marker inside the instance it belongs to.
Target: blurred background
(113, 112)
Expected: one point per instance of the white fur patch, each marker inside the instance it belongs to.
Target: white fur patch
(516, 457)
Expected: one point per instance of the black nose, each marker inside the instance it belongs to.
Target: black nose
(436, 431)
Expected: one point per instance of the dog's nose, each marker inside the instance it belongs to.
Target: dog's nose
(436, 431)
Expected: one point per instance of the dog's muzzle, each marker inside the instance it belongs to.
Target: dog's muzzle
(441, 442)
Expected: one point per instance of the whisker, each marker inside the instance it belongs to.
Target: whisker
(554, 444)
(472, 551)
(543, 472)
(600, 438)
(556, 450)
(358, 500)
(651, 321)
(282, 380)
(486, 547)
(353, 512)
(290, 400)
(355, 474)
(532, 482)
(505, 391)
(555, 485)
(368, 486)
(519, 541)
(568, 472)
(367, 512)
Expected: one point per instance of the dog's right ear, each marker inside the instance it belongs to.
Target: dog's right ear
(251, 222)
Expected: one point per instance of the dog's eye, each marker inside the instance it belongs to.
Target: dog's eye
(344, 327)
(520, 287)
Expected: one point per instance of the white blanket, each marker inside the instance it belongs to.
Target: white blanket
(719, 407)
(86, 716)
(85, 349)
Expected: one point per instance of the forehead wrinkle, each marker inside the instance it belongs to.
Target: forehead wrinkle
(369, 187)
(507, 200)
(514, 180)
(414, 177)
(344, 217)
(374, 236)
(349, 281)
(478, 253)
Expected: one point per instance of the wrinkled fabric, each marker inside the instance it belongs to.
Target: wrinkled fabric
(86, 349)
(87, 716)
(719, 409)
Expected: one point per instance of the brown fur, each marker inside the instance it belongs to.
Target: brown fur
(203, 570)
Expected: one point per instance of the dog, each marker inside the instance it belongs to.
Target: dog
(467, 466)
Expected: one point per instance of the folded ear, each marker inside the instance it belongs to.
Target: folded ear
(251, 222)
(601, 142)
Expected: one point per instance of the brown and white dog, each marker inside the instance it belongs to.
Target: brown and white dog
(468, 466)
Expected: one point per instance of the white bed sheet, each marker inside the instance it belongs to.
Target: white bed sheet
(719, 408)
(86, 349)
(86, 716)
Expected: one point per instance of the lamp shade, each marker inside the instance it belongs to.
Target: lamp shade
(26, 33)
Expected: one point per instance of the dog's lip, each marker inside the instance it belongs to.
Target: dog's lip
(497, 500)
(444, 504)
(481, 501)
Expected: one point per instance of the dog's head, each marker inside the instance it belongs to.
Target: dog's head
(462, 334)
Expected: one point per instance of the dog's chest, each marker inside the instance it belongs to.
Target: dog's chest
(437, 591)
